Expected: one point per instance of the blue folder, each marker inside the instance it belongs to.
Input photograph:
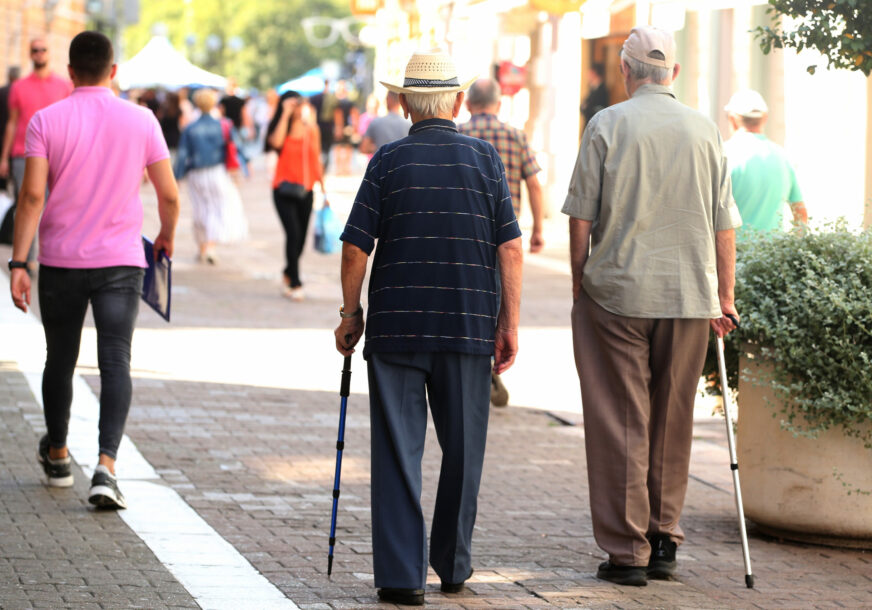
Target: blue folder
(157, 284)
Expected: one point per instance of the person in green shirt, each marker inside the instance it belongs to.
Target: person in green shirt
(763, 179)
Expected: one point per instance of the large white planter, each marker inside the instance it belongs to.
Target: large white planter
(788, 482)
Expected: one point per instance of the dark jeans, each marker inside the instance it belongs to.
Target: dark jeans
(294, 214)
(64, 294)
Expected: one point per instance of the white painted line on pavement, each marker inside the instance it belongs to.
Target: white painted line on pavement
(215, 574)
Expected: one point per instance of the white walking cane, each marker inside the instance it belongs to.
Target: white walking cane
(734, 464)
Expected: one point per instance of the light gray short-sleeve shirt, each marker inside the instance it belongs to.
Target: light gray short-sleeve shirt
(652, 177)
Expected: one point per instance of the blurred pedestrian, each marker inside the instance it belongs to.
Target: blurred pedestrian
(367, 116)
(324, 104)
(6, 202)
(598, 94)
(27, 95)
(483, 104)
(298, 169)
(215, 201)
(763, 179)
(91, 251)
(235, 108)
(169, 115)
(652, 255)
(345, 117)
(188, 113)
(439, 206)
(385, 129)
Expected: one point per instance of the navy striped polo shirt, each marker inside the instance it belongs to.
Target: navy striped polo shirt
(438, 204)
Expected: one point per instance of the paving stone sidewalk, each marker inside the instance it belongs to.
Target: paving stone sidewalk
(257, 463)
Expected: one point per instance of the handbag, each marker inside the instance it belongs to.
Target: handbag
(231, 155)
(328, 228)
(291, 190)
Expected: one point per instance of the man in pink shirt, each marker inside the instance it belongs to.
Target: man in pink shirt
(90, 150)
(27, 95)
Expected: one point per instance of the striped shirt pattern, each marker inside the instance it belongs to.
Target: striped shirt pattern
(438, 205)
(512, 145)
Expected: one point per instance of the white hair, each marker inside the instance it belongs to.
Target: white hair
(431, 104)
(646, 72)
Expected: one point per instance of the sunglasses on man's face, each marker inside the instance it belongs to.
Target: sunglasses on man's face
(38, 50)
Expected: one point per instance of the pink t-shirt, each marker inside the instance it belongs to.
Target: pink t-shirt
(30, 94)
(97, 147)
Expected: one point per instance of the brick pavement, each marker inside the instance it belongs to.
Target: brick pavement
(256, 462)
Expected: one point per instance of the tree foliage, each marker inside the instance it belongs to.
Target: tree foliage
(841, 30)
(271, 44)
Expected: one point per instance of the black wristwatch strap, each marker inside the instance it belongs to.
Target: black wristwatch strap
(17, 265)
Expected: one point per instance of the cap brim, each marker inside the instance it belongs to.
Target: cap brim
(453, 89)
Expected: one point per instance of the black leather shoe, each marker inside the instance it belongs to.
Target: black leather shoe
(633, 576)
(455, 587)
(662, 564)
(406, 597)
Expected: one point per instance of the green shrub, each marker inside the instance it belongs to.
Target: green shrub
(805, 302)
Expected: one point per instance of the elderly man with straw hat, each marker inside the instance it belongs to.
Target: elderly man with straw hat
(652, 247)
(437, 205)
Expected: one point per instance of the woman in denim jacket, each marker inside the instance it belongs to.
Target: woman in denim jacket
(215, 200)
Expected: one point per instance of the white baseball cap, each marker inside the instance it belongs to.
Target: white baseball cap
(747, 103)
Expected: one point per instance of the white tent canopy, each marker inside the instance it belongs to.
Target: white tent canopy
(158, 64)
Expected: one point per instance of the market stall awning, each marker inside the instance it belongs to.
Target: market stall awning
(159, 64)
(310, 83)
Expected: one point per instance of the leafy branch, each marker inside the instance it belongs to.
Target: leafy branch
(841, 30)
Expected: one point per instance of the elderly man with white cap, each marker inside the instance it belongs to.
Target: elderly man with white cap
(652, 246)
(437, 204)
(763, 178)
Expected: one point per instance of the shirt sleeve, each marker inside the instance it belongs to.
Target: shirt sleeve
(506, 222)
(795, 195)
(726, 213)
(585, 187)
(529, 165)
(34, 142)
(157, 146)
(14, 100)
(362, 228)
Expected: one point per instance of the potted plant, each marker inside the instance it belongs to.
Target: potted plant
(803, 361)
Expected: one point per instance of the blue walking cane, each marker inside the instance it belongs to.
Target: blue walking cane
(340, 445)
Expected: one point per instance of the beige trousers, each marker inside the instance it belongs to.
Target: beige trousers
(638, 384)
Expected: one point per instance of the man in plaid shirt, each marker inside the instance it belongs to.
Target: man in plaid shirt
(483, 102)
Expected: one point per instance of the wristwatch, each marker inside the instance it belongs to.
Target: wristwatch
(17, 265)
(353, 314)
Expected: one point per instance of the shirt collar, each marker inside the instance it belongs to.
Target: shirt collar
(653, 89)
(431, 124)
(80, 90)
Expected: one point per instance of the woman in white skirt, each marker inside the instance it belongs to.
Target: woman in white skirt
(215, 201)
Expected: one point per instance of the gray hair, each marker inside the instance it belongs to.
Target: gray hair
(483, 93)
(431, 104)
(646, 72)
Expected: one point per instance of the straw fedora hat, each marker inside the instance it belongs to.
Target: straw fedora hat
(430, 71)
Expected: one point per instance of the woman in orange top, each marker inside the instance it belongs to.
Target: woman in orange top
(298, 143)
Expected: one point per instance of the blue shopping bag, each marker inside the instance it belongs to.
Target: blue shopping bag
(328, 228)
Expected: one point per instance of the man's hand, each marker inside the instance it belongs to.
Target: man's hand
(537, 242)
(505, 349)
(350, 329)
(4, 168)
(723, 325)
(19, 286)
(163, 243)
